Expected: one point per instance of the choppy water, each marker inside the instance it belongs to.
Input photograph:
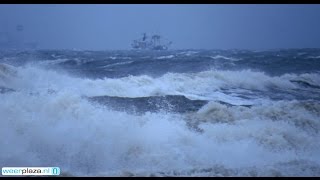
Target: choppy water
(172, 113)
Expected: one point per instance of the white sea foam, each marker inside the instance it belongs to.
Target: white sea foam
(165, 57)
(224, 57)
(48, 63)
(188, 53)
(203, 85)
(314, 57)
(53, 62)
(114, 57)
(7, 73)
(117, 64)
(65, 130)
(48, 121)
(62, 128)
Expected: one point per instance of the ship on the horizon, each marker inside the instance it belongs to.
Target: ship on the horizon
(153, 43)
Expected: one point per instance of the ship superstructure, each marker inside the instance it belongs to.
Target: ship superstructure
(154, 42)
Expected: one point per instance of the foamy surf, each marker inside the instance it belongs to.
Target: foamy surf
(66, 130)
(215, 122)
(220, 85)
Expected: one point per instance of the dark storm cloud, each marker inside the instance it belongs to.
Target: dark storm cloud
(188, 26)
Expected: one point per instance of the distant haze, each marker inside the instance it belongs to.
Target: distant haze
(104, 26)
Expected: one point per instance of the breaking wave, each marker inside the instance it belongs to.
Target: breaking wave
(66, 130)
(205, 85)
(248, 123)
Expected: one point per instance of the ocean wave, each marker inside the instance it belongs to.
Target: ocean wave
(115, 57)
(206, 85)
(116, 64)
(53, 62)
(7, 73)
(50, 118)
(83, 138)
(188, 53)
(209, 123)
(60, 61)
(224, 57)
(302, 114)
(313, 57)
(165, 57)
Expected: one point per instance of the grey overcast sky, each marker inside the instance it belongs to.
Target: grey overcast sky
(212, 26)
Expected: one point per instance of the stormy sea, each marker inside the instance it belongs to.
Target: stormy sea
(162, 113)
